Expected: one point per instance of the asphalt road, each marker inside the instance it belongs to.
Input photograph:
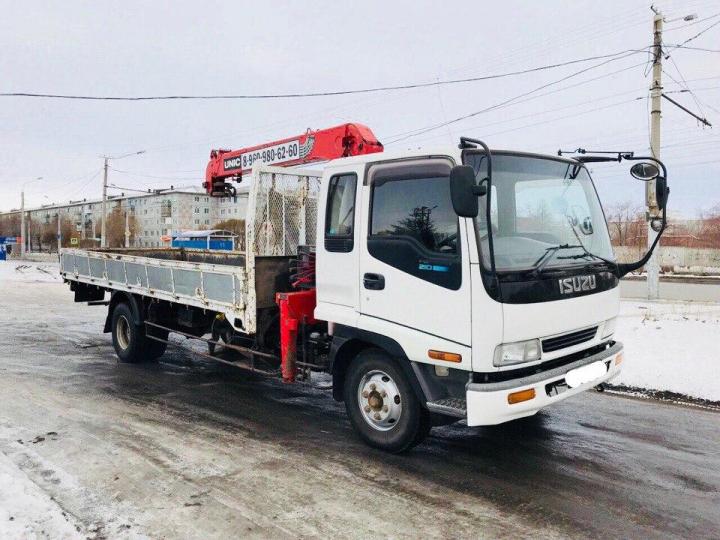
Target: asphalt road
(184, 449)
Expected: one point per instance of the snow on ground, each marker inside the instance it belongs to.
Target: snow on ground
(29, 272)
(27, 512)
(671, 346)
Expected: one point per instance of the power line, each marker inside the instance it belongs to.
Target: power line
(154, 176)
(420, 131)
(684, 85)
(699, 34)
(703, 49)
(620, 54)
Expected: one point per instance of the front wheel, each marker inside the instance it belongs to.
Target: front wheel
(382, 405)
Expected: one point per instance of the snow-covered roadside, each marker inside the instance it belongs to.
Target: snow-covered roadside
(671, 346)
(29, 272)
(27, 512)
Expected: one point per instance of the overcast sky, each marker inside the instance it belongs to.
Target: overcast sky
(158, 48)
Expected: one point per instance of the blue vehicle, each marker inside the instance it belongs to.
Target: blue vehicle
(212, 239)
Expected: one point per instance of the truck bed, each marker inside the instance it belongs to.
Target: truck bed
(206, 279)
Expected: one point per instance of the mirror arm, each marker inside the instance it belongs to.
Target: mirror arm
(623, 269)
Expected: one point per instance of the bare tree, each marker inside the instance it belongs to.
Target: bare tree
(10, 225)
(709, 230)
(627, 224)
(115, 228)
(49, 235)
(67, 231)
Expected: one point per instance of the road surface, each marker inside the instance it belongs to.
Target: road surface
(180, 449)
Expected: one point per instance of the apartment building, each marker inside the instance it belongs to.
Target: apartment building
(158, 214)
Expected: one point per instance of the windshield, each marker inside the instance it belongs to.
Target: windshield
(545, 214)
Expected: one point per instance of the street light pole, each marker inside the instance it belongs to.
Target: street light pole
(102, 210)
(59, 233)
(22, 216)
(127, 228)
(22, 223)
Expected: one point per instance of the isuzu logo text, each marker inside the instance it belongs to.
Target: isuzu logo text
(577, 284)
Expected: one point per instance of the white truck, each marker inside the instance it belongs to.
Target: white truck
(435, 286)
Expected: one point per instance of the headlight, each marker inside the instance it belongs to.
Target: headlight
(517, 353)
(609, 328)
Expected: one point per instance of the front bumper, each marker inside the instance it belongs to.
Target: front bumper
(487, 404)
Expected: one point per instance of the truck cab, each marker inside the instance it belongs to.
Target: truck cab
(487, 317)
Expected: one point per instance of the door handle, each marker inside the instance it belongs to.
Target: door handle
(374, 282)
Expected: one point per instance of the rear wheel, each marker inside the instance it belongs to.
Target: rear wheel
(129, 339)
(382, 404)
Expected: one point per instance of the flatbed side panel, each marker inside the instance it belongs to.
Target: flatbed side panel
(221, 288)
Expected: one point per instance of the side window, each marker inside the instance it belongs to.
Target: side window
(413, 226)
(418, 208)
(340, 213)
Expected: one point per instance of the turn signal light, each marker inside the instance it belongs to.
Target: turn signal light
(619, 359)
(522, 395)
(446, 356)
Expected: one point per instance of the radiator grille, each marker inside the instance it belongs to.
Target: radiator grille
(568, 340)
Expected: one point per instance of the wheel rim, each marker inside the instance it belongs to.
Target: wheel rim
(379, 400)
(123, 332)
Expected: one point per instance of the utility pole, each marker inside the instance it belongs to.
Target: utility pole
(103, 240)
(102, 210)
(652, 267)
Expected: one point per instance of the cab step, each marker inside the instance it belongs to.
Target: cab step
(449, 406)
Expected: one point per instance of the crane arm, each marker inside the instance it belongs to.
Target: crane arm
(321, 145)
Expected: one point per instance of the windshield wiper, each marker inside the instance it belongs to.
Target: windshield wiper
(588, 255)
(545, 258)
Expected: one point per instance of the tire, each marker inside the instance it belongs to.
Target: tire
(395, 421)
(129, 339)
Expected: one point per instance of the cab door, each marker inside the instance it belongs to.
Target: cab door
(337, 248)
(414, 269)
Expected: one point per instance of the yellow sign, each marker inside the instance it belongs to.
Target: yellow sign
(73, 241)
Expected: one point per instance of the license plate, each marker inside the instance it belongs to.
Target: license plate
(579, 376)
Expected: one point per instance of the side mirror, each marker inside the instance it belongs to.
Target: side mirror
(645, 171)
(661, 191)
(464, 192)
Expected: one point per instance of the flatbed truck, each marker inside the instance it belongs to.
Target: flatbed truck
(432, 285)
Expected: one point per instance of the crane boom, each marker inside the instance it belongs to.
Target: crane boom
(321, 145)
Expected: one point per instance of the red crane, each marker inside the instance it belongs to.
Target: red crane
(321, 145)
